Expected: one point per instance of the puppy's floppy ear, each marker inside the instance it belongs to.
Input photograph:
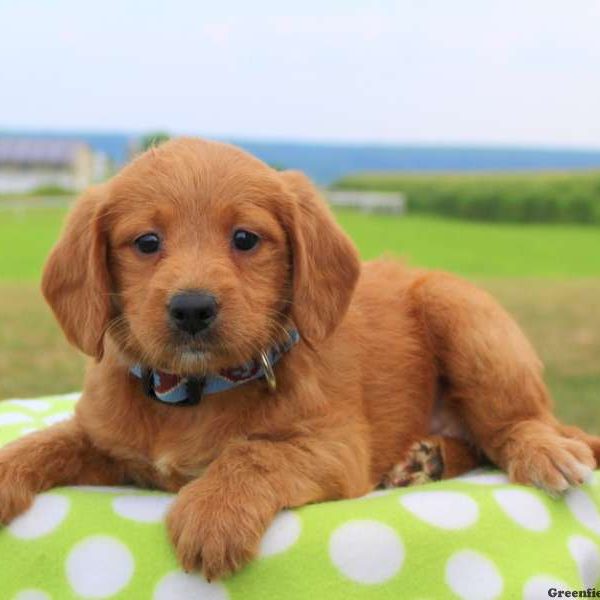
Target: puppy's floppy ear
(325, 262)
(76, 282)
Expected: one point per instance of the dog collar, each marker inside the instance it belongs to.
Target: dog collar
(186, 391)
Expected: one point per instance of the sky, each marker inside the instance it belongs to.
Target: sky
(509, 72)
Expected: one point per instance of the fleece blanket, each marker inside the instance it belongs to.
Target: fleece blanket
(472, 538)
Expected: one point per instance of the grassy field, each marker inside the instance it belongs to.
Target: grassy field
(26, 235)
(478, 249)
(473, 249)
(548, 276)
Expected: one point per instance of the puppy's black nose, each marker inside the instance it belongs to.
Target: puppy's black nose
(192, 311)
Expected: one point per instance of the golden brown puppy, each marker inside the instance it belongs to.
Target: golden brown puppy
(198, 259)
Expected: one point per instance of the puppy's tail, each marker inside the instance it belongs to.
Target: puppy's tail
(590, 440)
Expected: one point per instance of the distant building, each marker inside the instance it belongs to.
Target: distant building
(28, 163)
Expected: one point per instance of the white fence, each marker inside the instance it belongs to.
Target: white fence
(25, 181)
(367, 201)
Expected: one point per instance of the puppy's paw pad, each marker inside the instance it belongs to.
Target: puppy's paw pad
(423, 464)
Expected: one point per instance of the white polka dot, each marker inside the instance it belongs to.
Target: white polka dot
(366, 551)
(99, 566)
(585, 553)
(28, 430)
(583, 509)
(537, 587)
(14, 418)
(472, 576)
(449, 510)
(32, 595)
(524, 508)
(281, 534)
(482, 477)
(147, 509)
(35, 405)
(177, 586)
(58, 417)
(46, 514)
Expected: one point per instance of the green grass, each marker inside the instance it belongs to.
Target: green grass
(562, 318)
(478, 249)
(547, 276)
(35, 359)
(472, 249)
(26, 236)
(43, 191)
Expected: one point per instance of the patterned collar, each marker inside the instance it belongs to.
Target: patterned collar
(187, 391)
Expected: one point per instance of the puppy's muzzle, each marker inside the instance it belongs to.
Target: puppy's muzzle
(192, 312)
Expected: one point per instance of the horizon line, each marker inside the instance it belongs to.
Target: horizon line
(327, 142)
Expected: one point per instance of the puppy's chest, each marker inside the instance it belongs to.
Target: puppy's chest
(174, 470)
(180, 447)
(165, 452)
(164, 466)
(179, 459)
(167, 446)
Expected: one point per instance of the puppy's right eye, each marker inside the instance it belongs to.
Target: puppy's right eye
(149, 243)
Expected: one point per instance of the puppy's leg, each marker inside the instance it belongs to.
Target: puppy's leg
(58, 455)
(432, 459)
(495, 383)
(218, 520)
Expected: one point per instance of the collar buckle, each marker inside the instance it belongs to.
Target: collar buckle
(268, 371)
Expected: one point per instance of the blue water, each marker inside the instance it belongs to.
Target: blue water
(327, 162)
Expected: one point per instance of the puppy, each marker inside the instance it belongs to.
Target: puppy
(245, 359)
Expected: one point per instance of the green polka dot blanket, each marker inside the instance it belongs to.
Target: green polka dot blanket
(472, 538)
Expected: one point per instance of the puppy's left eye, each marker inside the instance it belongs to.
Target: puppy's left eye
(149, 243)
(244, 240)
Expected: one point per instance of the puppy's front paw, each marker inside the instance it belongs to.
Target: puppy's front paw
(554, 463)
(16, 494)
(211, 534)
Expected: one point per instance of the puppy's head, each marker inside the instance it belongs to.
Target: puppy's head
(196, 257)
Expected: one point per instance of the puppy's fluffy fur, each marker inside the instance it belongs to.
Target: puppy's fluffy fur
(380, 345)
